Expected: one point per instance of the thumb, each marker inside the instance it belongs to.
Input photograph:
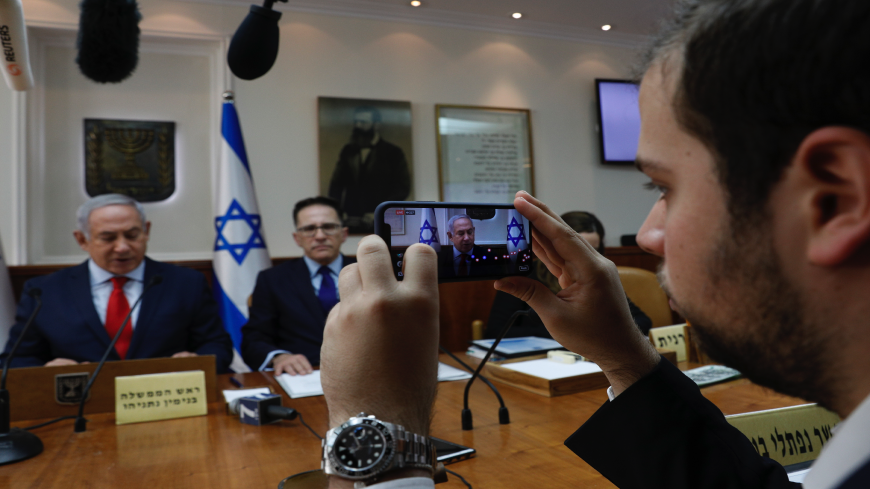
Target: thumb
(532, 292)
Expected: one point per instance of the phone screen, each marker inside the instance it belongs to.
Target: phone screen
(473, 241)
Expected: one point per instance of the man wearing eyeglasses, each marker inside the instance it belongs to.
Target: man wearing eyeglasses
(291, 301)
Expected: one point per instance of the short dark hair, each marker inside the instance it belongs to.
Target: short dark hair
(755, 77)
(319, 200)
(585, 222)
(368, 109)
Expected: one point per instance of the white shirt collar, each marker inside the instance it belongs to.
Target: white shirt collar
(314, 267)
(456, 252)
(100, 275)
(847, 451)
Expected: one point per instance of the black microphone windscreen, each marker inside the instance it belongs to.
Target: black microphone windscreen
(254, 46)
(108, 40)
(156, 280)
(35, 292)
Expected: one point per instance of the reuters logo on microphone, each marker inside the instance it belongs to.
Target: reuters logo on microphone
(14, 69)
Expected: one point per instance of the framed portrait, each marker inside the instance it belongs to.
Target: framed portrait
(365, 156)
(484, 153)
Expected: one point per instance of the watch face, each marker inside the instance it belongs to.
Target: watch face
(363, 449)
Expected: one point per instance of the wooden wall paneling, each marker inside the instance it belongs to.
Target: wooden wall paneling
(462, 303)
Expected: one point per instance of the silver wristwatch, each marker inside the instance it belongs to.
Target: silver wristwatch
(364, 448)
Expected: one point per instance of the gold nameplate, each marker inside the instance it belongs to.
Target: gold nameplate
(788, 435)
(140, 398)
(671, 338)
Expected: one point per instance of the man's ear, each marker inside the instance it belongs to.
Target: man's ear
(834, 163)
(81, 239)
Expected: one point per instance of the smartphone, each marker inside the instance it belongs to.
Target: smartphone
(449, 452)
(473, 241)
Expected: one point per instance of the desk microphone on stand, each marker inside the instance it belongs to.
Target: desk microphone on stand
(16, 444)
(81, 422)
(503, 415)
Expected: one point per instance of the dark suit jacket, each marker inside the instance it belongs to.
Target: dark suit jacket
(360, 186)
(178, 314)
(285, 314)
(488, 267)
(662, 433)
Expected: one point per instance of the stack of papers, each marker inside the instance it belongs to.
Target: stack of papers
(446, 373)
(298, 386)
(711, 374)
(232, 395)
(518, 347)
(547, 369)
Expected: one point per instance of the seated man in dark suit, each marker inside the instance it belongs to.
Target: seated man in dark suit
(291, 301)
(464, 258)
(84, 305)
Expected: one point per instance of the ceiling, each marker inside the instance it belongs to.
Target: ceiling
(632, 20)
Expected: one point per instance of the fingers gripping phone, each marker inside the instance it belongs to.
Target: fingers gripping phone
(473, 241)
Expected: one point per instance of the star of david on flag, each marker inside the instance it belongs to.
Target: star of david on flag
(240, 246)
(226, 241)
(520, 232)
(429, 229)
(516, 235)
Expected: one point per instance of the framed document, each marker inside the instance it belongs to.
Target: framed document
(484, 153)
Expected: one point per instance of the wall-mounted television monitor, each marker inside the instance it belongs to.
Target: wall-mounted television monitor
(618, 121)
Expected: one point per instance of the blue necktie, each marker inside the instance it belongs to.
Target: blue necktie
(327, 295)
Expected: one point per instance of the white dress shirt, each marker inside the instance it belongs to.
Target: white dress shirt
(364, 152)
(102, 286)
(848, 450)
(316, 280)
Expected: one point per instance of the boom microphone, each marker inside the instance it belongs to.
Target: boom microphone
(254, 46)
(108, 40)
(81, 422)
(13, 37)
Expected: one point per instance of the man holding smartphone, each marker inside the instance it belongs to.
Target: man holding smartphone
(755, 115)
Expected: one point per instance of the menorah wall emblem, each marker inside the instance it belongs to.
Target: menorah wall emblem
(130, 142)
(135, 158)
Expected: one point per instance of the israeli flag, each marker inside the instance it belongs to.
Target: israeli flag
(239, 247)
(429, 229)
(516, 236)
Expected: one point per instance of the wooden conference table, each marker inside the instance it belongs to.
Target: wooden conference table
(217, 451)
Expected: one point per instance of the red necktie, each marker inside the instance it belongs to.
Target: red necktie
(463, 265)
(115, 314)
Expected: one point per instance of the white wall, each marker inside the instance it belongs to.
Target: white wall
(324, 55)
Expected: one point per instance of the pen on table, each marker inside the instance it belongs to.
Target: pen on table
(236, 382)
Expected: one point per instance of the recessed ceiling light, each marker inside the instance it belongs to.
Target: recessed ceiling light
(517, 15)
(416, 3)
(606, 27)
